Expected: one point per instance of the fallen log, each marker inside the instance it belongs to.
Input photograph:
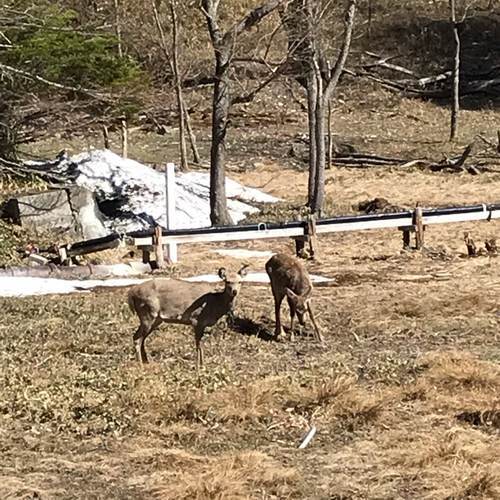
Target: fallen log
(453, 164)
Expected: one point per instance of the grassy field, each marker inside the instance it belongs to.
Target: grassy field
(405, 394)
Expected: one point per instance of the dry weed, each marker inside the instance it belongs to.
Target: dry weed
(239, 476)
(455, 370)
(482, 485)
(318, 393)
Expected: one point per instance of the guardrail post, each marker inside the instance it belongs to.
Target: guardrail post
(146, 255)
(419, 228)
(311, 233)
(63, 256)
(309, 237)
(170, 207)
(158, 245)
(406, 238)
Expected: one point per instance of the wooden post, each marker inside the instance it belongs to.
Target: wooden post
(471, 246)
(146, 255)
(419, 228)
(300, 243)
(158, 245)
(63, 256)
(311, 233)
(124, 137)
(105, 136)
(406, 238)
(170, 208)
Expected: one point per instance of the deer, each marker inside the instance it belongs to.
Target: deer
(290, 278)
(184, 303)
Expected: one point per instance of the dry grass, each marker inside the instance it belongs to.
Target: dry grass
(404, 403)
(238, 476)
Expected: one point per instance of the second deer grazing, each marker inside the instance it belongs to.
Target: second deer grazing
(290, 279)
(181, 302)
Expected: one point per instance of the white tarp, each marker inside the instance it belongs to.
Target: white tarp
(138, 191)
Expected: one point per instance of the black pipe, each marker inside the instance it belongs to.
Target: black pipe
(96, 241)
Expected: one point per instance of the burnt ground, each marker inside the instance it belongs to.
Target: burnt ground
(404, 394)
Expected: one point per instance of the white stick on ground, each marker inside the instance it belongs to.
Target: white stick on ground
(308, 438)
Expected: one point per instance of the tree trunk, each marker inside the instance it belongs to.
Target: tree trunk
(178, 87)
(330, 136)
(223, 45)
(312, 97)
(456, 74)
(192, 137)
(319, 137)
(118, 28)
(219, 214)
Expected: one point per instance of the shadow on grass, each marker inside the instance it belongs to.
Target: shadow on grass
(251, 328)
(264, 329)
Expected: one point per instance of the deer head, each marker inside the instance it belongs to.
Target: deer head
(232, 280)
(300, 303)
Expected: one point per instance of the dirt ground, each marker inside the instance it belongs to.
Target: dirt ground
(405, 393)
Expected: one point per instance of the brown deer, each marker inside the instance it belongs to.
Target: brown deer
(180, 302)
(290, 278)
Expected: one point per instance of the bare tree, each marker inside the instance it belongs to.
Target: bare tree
(118, 27)
(320, 77)
(223, 44)
(456, 72)
(172, 58)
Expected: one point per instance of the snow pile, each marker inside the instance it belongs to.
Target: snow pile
(133, 194)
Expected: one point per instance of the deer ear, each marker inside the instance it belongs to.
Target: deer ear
(243, 271)
(291, 295)
(222, 273)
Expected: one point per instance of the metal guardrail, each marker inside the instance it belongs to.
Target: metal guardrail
(330, 225)
(296, 229)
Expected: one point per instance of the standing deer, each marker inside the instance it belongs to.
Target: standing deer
(290, 278)
(184, 303)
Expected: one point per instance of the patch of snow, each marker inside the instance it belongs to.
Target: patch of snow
(138, 191)
(253, 278)
(241, 253)
(20, 286)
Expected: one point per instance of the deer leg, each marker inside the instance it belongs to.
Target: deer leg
(139, 344)
(292, 319)
(318, 336)
(147, 325)
(277, 312)
(198, 335)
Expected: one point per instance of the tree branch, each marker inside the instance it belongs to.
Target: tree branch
(344, 51)
(209, 9)
(251, 19)
(248, 97)
(50, 83)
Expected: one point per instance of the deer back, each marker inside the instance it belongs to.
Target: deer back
(286, 271)
(168, 298)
